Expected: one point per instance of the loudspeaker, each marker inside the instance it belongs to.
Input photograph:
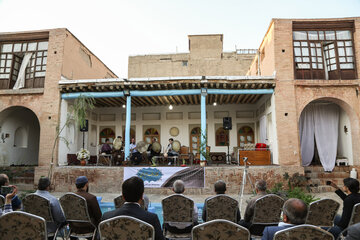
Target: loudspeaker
(86, 127)
(227, 125)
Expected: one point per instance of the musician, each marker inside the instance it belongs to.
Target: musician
(170, 152)
(152, 152)
(135, 155)
(117, 149)
(106, 148)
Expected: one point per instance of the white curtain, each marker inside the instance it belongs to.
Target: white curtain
(326, 119)
(20, 81)
(322, 122)
(307, 133)
(263, 138)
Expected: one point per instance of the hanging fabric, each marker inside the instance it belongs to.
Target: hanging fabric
(326, 120)
(307, 133)
(263, 130)
(20, 81)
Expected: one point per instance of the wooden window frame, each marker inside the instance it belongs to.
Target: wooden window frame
(324, 26)
(31, 80)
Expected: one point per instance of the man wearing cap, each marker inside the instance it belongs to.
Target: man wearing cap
(82, 185)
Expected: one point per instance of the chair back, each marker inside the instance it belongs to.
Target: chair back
(74, 207)
(22, 225)
(322, 212)
(177, 208)
(221, 207)
(119, 201)
(39, 206)
(220, 229)
(2, 201)
(126, 227)
(303, 232)
(184, 150)
(267, 209)
(355, 215)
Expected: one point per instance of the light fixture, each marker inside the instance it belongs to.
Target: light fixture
(171, 107)
(214, 104)
(123, 106)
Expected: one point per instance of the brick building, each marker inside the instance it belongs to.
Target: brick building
(301, 65)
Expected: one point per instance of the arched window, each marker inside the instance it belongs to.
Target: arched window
(21, 138)
(107, 133)
(245, 135)
(151, 133)
(222, 137)
(195, 134)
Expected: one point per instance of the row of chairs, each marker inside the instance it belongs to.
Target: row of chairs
(267, 210)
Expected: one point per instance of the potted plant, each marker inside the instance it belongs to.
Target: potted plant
(83, 155)
(204, 151)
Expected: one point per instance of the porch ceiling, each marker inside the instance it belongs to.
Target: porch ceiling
(115, 85)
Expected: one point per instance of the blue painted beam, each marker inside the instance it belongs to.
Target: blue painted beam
(127, 127)
(203, 121)
(92, 94)
(240, 91)
(137, 93)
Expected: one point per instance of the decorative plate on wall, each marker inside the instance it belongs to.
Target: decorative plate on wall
(174, 131)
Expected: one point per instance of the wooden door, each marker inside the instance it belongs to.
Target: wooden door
(245, 135)
(195, 134)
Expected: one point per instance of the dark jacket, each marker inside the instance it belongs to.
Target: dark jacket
(204, 212)
(269, 232)
(15, 202)
(349, 202)
(93, 208)
(134, 210)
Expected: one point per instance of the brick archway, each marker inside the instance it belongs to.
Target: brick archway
(353, 117)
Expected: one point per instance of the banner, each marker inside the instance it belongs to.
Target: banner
(157, 177)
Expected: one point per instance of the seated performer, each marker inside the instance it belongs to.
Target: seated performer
(135, 155)
(152, 152)
(106, 148)
(117, 149)
(170, 152)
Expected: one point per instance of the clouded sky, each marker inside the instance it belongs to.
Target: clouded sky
(115, 29)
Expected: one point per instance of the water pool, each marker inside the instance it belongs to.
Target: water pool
(153, 207)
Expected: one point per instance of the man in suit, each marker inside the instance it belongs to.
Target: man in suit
(294, 213)
(350, 198)
(353, 232)
(219, 188)
(132, 192)
(82, 185)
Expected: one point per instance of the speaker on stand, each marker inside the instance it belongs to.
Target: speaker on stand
(84, 129)
(227, 125)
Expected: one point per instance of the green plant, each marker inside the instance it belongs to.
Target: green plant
(204, 151)
(77, 112)
(296, 185)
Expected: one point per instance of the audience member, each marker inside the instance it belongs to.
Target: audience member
(351, 188)
(179, 188)
(260, 188)
(56, 211)
(106, 148)
(132, 192)
(170, 152)
(8, 198)
(82, 185)
(353, 232)
(294, 213)
(135, 154)
(219, 188)
(15, 202)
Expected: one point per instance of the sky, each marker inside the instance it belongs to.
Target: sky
(116, 29)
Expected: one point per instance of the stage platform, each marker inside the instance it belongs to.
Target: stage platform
(104, 179)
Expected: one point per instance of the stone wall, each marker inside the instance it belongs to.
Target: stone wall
(109, 179)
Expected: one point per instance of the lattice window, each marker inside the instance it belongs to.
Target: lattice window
(11, 56)
(222, 137)
(324, 54)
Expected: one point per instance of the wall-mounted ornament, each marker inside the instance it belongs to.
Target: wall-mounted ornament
(174, 131)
